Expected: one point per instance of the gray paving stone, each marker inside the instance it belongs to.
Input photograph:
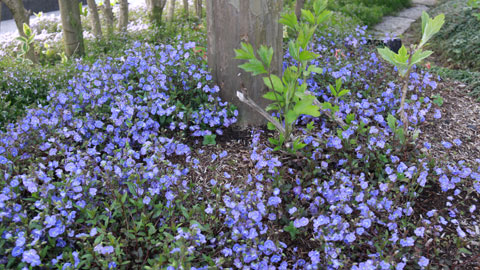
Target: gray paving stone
(393, 25)
(413, 13)
(424, 2)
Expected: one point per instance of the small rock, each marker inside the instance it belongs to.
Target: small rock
(424, 2)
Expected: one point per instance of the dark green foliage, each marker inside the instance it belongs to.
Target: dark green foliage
(370, 12)
(23, 85)
(470, 78)
(458, 41)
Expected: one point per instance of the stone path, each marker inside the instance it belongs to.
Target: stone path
(395, 26)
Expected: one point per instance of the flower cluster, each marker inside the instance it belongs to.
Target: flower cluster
(105, 136)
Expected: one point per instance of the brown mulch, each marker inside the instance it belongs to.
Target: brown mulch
(460, 120)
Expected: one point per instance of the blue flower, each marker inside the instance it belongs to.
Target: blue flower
(31, 257)
(407, 242)
(103, 250)
(146, 200)
(274, 201)
(423, 262)
(17, 251)
(420, 231)
(255, 216)
(302, 222)
(446, 144)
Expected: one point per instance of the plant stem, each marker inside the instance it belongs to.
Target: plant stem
(403, 115)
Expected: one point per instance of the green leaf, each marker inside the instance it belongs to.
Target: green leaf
(27, 30)
(273, 96)
(338, 84)
(327, 106)
(254, 66)
(292, 230)
(297, 145)
(465, 251)
(402, 56)
(21, 39)
(332, 90)
(311, 110)
(323, 16)
(425, 19)
(290, 20)
(387, 55)
(273, 141)
(350, 117)
(300, 95)
(392, 122)
(308, 16)
(419, 55)
(343, 92)
(271, 126)
(209, 139)
(290, 117)
(294, 50)
(305, 35)
(246, 52)
(265, 53)
(432, 26)
(307, 56)
(319, 6)
(277, 83)
(315, 69)
(438, 100)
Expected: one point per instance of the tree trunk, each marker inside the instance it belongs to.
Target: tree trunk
(298, 8)
(198, 8)
(155, 9)
(229, 23)
(185, 7)
(108, 13)
(72, 27)
(171, 12)
(123, 17)
(21, 16)
(95, 19)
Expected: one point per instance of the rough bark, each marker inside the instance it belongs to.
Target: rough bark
(123, 17)
(171, 12)
(95, 19)
(229, 23)
(185, 7)
(155, 10)
(108, 14)
(298, 8)
(72, 27)
(21, 16)
(198, 8)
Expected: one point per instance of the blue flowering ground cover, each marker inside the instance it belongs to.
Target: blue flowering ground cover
(112, 174)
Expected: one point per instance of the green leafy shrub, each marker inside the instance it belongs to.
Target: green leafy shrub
(288, 96)
(23, 85)
(370, 12)
(405, 60)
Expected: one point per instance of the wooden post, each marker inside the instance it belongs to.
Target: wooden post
(230, 22)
